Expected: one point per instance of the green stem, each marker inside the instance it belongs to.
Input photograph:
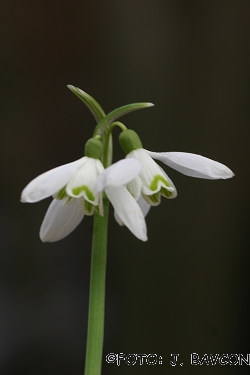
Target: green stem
(106, 146)
(93, 361)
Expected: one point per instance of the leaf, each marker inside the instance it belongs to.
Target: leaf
(90, 102)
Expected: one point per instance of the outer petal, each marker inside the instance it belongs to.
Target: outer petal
(128, 211)
(60, 220)
(118, 219)
(144, 206)
(119, 173)
(193, 165)
(50, 182)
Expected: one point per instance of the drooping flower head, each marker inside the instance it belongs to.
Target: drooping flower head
(132, 185)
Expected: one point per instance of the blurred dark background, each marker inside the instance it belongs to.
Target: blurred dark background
(184, 291)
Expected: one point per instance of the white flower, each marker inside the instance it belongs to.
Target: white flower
(155, 182)
(77, 190)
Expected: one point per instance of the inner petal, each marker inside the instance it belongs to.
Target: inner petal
(83, 182)
(84, 188)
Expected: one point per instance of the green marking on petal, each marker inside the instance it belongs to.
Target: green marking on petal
(62, 193)
(97, 209)
(69, 199)
(154, 198)
(166, 193)
(77, 191)
(154, 184)
(89, 207)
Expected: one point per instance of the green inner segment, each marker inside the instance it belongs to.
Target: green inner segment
(88, 206)
(166, 193)
(154, 198)
(77, 190)
(97, 209)
(62, 193)
(154, 185)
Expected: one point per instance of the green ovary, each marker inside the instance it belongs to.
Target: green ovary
(77, 191)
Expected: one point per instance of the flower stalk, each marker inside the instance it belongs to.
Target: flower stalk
(95, 335)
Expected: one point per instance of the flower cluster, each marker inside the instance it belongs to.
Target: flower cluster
(132, 185)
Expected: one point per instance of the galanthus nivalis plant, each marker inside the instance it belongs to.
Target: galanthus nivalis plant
(132, 185)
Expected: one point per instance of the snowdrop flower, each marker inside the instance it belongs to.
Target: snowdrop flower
(154, 182)
(77, 189)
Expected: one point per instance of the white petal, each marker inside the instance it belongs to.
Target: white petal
(128, 211)
(145, 207)
(83, 182)
(60, 220)
(193, 165)
(119, 173)
(118, 219)
(49, 182)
